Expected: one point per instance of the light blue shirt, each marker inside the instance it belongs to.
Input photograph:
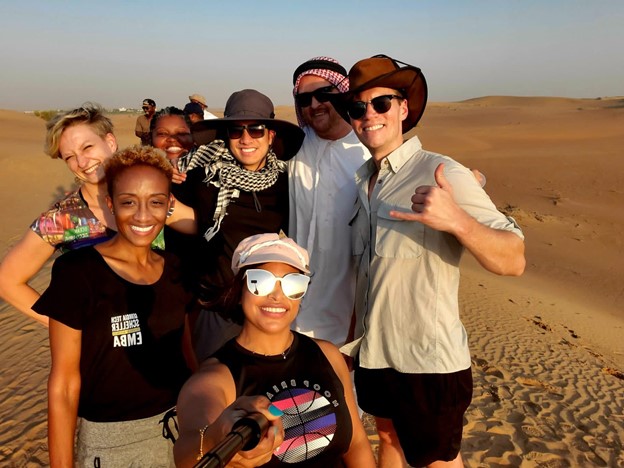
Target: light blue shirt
(408, 274)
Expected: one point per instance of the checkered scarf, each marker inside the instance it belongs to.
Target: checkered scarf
(335, 78)
(224, 172)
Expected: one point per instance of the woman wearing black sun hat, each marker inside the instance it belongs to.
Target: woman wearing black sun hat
(238, 187)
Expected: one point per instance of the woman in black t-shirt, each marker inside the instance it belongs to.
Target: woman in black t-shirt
(118, 328)
(306, 381)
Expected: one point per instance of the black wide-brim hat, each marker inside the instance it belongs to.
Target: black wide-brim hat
(385, 72)
(251, 105)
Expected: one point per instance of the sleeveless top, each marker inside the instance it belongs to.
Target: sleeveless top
(304, 386)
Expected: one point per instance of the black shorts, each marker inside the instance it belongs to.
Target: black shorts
(427, 410)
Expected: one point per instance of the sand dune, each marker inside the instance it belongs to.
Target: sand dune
(547, 348)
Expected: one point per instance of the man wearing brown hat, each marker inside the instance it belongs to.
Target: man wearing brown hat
(201, 100)
(322, 194)
(412, 359)
(142, 127)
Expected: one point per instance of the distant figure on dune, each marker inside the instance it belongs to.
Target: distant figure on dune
(142, 127)
(201, 100)
(194, 112)
(416, 213)
(119, 340)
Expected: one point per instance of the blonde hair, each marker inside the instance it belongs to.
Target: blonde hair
(132, 156)
(89, 113)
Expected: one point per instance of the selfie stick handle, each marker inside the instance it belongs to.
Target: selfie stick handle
(245, 435)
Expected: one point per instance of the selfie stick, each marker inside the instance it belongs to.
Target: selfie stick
(245, 435)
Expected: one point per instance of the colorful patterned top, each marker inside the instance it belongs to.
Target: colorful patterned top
(70, 224)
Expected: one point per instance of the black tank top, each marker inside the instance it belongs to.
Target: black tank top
(305, 387)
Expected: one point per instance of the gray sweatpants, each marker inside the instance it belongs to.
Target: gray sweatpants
(137, 443)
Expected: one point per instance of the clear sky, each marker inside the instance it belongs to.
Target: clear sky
(59, 54)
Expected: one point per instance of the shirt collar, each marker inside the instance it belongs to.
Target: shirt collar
(396, 159)
(403, 153)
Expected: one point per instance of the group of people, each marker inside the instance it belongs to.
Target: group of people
(183, 294)
(195, 110)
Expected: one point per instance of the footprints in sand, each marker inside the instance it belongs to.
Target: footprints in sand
(537, 321)
(613, 372)
(542, 397)
(521, 215)
(539, 384)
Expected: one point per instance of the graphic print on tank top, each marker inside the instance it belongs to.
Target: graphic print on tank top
(309, 420)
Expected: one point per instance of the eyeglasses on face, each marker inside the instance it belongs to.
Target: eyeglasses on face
(381, 104)
(323, 94)
(262, 283)
(255, 131)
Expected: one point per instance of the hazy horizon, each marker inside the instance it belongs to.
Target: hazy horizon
(61, 54)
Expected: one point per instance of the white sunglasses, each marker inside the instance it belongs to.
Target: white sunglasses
(262, 283)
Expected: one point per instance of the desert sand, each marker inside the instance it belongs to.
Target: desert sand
(547, 348)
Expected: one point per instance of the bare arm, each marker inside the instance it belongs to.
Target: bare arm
(21, 263)
(359, 453)
(207, 402)
(498, 251)
(63, 393)
(183, 218)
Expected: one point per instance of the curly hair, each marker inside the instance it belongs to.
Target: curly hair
(165, 112)
(132, 156)
(89, 113)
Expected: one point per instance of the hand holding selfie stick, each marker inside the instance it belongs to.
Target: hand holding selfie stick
(245, 435)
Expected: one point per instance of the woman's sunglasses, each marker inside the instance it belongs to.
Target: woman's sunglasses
(381, 104)
(262, 283)
(323, 94)
(255, 131)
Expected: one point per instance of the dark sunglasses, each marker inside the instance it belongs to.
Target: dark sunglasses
(145, 107)
(381, 104)
(255, 131)
(323, 94)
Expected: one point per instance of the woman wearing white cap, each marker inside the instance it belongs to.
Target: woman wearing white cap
(306, 380)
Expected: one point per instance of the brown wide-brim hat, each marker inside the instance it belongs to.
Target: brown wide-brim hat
(385, 72)
(251, 105)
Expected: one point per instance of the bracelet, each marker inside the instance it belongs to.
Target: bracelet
(201, 441)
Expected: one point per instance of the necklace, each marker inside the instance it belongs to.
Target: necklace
(284, 353)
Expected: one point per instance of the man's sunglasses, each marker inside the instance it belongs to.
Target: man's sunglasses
(323, 94)
(255, 131)
(262, 283)
(381, 104)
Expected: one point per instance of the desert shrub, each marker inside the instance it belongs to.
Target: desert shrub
(46, 114)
